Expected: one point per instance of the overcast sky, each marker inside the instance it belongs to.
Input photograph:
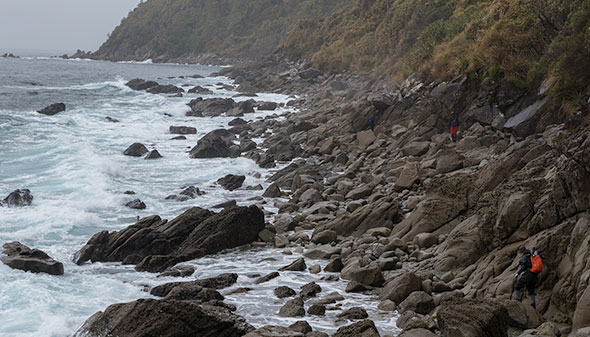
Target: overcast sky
(58, 26)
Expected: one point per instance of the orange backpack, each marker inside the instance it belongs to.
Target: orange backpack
(536, 263)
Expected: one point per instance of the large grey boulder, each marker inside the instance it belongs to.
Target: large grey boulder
(165, 318)
(365, 328)
(231, 182)
(211, 107)
(141, 84)
(19, 256)
(214, 145)
(154, 244)
(401, 287)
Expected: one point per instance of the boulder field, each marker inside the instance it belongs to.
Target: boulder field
(400, 211)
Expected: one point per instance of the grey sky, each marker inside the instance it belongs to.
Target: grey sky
(58, 26)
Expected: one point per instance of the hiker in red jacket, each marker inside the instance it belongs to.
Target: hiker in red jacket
(527, 278)
(454, 124)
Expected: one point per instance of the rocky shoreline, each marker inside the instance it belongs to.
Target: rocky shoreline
(400, 212)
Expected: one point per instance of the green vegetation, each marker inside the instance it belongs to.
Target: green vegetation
(167, 29)
(507, 42)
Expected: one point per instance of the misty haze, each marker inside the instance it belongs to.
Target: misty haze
(295, 168)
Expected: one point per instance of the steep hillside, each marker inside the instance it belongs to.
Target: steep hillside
(169, 29)
(520, 42)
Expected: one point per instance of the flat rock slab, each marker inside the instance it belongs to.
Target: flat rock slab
(24, 258)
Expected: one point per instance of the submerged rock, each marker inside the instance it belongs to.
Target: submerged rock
(136, 204)
(166, 318)
(136, 150)
(53, 109)
(24, 258)
(140, 84)
(183, 130)
(18, 198)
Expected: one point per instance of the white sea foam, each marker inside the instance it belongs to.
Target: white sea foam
(74, 165)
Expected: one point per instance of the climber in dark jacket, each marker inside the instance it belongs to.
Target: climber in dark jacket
(527, 278)
(371, 122)
(454, 124)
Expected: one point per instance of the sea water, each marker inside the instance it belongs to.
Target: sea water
(73, 163)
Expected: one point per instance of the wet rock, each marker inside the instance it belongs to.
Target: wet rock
(266, 236)
(310, 290)
(355, 287)
(315, 269)
(211, 107)
(192, 292)
(420, 332)
(297, 265)
(200, 90)
(284, 291)
(153, 154)
(231, 182)
(301, 326)
(324, 237)
(140, 84)
(317, 310)
(212, 145)
(155, 244)
(111, 119)
(274, 331)
(237, 121)
(18, 198)
(242, 108)
(165, 89)
(370, 275)
(401, 287)
(183, 130)
(419, 302)
(285, 223)
(293, 308)
(353, 314)
(19, 256)
(53, 109)
(267, 278)
(179, 138)
(267, 106)
(273, 191)
(178, 271)
(485, 317)
(226, 204)
(365, 328)
(192, 192)
(334, 266)
(221, 281)
(164, 318)
(136, 150)
(136, 204)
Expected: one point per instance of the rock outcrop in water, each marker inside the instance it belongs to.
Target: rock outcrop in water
(216, 144)
(19, 256)
(53, 109)
(18, 198)
(166, 318)
(154, 244)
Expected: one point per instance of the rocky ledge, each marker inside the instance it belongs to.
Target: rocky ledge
(19, 256)
(154, 244)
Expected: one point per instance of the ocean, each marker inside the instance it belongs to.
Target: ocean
(73, 163)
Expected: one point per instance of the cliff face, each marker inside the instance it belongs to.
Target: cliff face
(519, 43)
(165, 30)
